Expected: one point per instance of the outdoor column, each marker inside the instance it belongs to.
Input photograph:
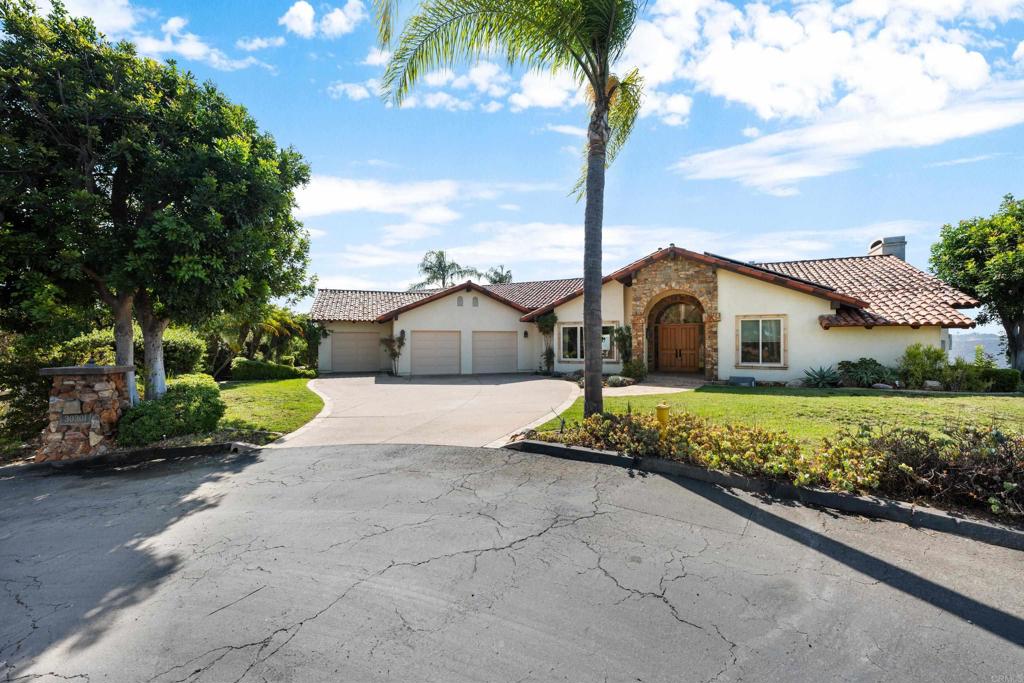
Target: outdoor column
(86, 402)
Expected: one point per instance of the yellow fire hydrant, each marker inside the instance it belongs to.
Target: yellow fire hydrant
(661, 410)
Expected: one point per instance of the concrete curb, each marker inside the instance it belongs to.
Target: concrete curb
(881, 508)
(134, 457)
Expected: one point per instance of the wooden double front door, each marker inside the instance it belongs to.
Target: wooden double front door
(679, 347)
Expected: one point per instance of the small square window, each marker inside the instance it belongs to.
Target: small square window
(761, 341)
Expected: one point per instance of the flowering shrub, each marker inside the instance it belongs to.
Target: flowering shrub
(967, 466)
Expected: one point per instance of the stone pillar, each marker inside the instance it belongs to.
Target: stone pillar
(86, 402)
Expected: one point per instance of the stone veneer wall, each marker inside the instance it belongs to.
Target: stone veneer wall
(86, 403)
(677, 275)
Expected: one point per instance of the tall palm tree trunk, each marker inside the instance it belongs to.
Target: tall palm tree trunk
(593, 223)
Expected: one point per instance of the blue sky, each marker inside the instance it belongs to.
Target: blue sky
(771, 130)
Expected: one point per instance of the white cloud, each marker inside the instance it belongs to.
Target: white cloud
(491, 107)
(1018, 54)
(546, 90)
(964, 160)
(342, 20)
(436, 100)
(316, 233)
(177, 41)
(776, 163)
(486, 78)
(509, 207)
(300, 19)
(751, 132)
(422, 203)
(842, 79)
(575, 131)
(403, 233)
(257, 43)
(353, 91)
(114, 17)
(672, 109)
(377, 57)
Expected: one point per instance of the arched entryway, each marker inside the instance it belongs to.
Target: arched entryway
(675, 335)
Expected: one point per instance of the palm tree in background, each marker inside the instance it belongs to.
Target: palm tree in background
(437, 269)
(498, 275)
(582, 37)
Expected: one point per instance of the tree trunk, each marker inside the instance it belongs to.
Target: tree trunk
(593, 223)
(1015, 343)
(124, 342)
(153, 328)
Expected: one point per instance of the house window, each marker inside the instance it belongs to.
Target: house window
(761, 341)
(572, 342)
(458, 301)
(476, 302)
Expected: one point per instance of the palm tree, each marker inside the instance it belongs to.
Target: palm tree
(438, 269)
(499, 275)
(582, 37)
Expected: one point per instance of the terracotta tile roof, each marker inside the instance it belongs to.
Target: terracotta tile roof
(466, 286)
(537, 294)
(896, 292)
(353, 305)
(359, 305)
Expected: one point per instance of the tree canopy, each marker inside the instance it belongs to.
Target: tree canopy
(984, 257)
(437, 269)
(130, 181)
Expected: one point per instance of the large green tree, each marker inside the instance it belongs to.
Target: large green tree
(984, 257)
(581, 37)
(127, 179)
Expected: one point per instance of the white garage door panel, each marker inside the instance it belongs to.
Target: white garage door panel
(494, 352)
(355, 351)
(436, 353)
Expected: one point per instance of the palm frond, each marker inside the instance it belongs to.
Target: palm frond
(624, 107)
(544, 35)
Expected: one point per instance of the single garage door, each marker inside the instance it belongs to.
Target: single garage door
(494, 352)
(355, 351)
(436, 353)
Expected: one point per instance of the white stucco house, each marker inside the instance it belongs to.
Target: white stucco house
(689, 312)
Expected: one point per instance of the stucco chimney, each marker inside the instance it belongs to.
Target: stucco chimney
(889, 246)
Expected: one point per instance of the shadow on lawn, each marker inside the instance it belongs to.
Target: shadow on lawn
(74, 549)
(1007, 626)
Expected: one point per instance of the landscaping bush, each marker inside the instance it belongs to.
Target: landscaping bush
(183, 351)
(821, 378)
(963, 376)
(966, 466)
(192, 405)
(921, 362)
(245, 369)
(1002, 379)
(864, 372)
(635, 369)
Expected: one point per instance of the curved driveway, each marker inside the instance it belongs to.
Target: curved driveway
(474, 410)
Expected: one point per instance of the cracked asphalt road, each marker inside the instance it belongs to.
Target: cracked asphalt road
(435, 563)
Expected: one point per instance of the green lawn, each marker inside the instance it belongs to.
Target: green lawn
(809, 414)
(275, 405)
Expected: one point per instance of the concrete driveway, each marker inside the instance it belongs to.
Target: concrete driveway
(427, 563)
(473, 410)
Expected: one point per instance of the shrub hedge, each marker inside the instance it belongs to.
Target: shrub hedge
(968, 466)
(192, 405)
(183, 349)
(246, 369)
(1002, 379)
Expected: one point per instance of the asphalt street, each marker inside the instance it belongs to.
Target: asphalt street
(440, 563)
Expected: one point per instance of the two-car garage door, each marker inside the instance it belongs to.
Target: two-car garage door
(439, 353)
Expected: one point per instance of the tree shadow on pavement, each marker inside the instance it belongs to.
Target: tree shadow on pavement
(1007, 626)
(75, 551)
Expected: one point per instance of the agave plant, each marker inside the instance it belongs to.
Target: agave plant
(821, 377)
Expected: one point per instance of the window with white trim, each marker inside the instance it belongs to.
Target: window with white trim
(572, 342)
(761, 341)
